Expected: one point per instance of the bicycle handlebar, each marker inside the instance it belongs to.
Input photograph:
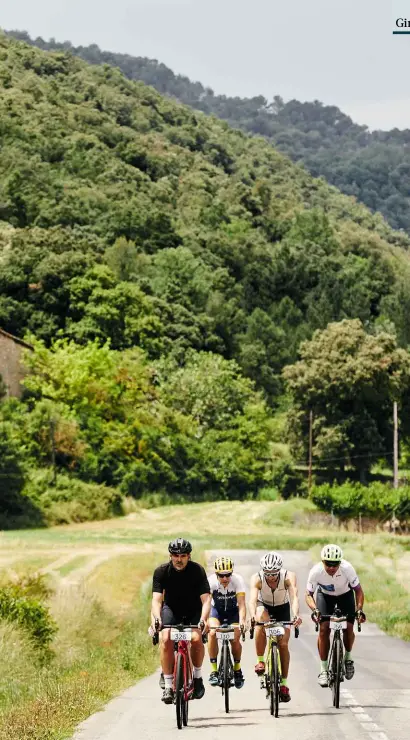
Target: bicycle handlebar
(272, 623)
(180, 627)
(338, 618)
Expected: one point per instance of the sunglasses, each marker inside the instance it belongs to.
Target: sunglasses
(332, 563)
(224, 575)
(271, 573)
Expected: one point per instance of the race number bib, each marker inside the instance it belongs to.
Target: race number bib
(176, 635)
(275, 631)
(225, 636)
(337, 626)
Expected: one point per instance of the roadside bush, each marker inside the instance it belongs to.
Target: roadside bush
(26, 612)
(71, 499)
(350, 499)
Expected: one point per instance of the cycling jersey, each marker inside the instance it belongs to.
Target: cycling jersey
(343, 580)
(224, 598)
(182, 589)
(273, 596)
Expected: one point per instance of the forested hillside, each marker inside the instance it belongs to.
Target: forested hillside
(374, 167)
(166, 269)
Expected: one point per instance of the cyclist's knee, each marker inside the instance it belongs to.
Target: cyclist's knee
(167, 643)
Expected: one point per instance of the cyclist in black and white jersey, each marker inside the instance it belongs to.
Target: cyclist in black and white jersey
(228, 603)
(336, 584)
(274, 594)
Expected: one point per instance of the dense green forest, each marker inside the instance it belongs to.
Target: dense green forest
(166, 269)
(373, 166)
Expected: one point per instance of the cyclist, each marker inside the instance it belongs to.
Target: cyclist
(336, 584)
(228, 604)
(180, 594)
(273, 591)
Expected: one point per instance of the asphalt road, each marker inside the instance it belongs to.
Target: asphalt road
(375, 704)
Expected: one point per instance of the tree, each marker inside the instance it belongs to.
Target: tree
(348, 379)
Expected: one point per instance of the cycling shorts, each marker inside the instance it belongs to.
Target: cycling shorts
(170, 617)
(280, 613)
(231, 615)
(346, 603)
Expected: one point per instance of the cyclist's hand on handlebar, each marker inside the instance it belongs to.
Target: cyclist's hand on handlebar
(316, 616)
(360, 616)
(297, 620)
(156, 624)
(203, 626)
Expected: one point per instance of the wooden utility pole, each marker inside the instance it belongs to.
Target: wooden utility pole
(395, 447)
(53, 448)
(310, 449)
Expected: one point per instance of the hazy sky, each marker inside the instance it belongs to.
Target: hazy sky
(341, 52)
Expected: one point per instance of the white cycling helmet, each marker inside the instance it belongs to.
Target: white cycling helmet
(271, 562)
(332, 552)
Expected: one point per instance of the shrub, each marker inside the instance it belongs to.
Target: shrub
(287, 480)
(351, 499)
(71, 499)
(29, 614)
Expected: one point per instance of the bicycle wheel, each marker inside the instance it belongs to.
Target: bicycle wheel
(226, 674)
(185, 706)
(274, 681)
(179, 692)
(337, 671)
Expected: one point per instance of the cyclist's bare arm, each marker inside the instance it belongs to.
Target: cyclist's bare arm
(206, 607)
(240, 598)
(310, 600)
(253, 597)
(359, 594)
(292, 586)
(156, 606)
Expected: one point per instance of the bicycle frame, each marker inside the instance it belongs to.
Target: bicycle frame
(183, 685)
(182, 648)
(225, 634)
(275, 630)
(336, 670)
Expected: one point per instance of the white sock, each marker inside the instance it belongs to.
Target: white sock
(197, 672)
(169, 680)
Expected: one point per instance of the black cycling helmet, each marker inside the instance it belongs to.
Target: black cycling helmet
(179, 546)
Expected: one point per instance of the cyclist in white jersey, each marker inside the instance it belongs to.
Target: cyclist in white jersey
(273, 592)
(336, 584)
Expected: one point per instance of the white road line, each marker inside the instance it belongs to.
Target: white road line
(365, 720)
(370, 726)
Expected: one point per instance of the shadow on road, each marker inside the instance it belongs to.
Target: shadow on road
(220, 724)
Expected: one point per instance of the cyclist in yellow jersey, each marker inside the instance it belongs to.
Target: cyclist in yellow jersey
(228, 603)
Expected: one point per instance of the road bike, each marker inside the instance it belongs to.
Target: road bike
(183, 680)
(336, 670)
(271, 679)
(225, 634)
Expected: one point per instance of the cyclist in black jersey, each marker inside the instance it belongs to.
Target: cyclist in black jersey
(181, 594)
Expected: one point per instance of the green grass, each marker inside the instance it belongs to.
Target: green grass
(72, 565)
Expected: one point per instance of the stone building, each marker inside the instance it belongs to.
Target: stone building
(11, 365)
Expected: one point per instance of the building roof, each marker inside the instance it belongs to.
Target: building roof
(16, 339)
